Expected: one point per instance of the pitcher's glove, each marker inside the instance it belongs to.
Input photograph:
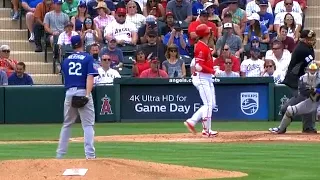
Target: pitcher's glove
(79, 101)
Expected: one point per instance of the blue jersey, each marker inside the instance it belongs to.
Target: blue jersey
(76, 67)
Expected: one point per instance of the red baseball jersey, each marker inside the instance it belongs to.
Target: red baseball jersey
(203, 57)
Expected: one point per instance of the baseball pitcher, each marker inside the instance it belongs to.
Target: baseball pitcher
(78, 74)
(202, 80)
(303, 103)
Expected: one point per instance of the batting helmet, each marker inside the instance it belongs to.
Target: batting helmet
(203, 30)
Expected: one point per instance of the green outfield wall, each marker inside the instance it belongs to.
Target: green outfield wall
(143, 100)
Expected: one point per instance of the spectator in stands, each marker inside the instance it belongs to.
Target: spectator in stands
(254, 28)
(133, 16)
(226, 54)
(154, 71)
(139, 3)
(228, 19)
(92, 10)
(153, 7)
(270, 70)
(3, 78)
(154, 48)
(227, 71)
(54, 22)
(103, 20)
(280, 56)
(239, 16)
(293, 29)
(178, 38)
(254, 6)
(281, 6)
(106, 73)
(115, 54)
(233, 41)
(7, 64)
(169, 24)
(197, 6)
(266, 18)
(181, 9)
(209, 7)
(301, 3)
(15, 7)
(203, 19)
(151, 24)
(90, 34)
(19, 77)
(124, 31)
(41, 10)
(95, 51)
(174, 65)
(279, 20)
(78, 19)
(70, 7)
(30, 6)
(288, 42)
(140, 63)
(253, 67)
(65, 36)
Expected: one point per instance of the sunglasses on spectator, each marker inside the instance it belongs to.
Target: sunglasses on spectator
(228, 63)
(173, 50)
(255, 41)
(288, 3)
(269, 66)
(6, 51)
(289, 19)
(275, 48)
(122, 16)
(106, 59)
(88, 22)
(227, 49)
(131, 7)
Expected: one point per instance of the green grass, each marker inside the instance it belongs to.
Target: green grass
(262, 161)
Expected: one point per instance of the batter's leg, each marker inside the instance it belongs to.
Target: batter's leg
(87, 117)
(70, 116)
(213, 95)
(304, 107)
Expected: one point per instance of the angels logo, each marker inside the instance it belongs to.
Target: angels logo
(249, 102)
(105, 106)
(283, 101)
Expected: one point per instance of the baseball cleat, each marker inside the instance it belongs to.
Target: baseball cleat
(209, 134)
(310, 131)
(89, 158)
(190, 127)
(277, 130)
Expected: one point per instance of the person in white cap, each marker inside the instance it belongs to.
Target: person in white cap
(254, 28)
(7, 64)
(209, 7)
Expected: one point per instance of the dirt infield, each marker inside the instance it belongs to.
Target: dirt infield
(118, 169)
(102, 169)
(223, 137)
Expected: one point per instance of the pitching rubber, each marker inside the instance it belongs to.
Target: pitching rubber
(190, 127)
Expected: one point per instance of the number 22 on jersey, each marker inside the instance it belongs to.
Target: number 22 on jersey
(75, 68)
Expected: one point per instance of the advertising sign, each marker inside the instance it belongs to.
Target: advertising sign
(234, 102)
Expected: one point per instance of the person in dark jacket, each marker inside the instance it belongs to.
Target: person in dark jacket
(300, 59)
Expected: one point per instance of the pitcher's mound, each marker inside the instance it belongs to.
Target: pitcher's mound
(102, 169)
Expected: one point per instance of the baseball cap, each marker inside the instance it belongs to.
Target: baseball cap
(150, 19)
(5, 47)
(254, 16)
(57, 2)
(75, 40)
(307, 34)
(204, 13)
(122, 11)
(113, 39)
(169, 13)
(82, 4)
(254, 38)
(154, 60)
(227, 25)
(207, 4)
(152, 33)
(228, 14)
(263, 2)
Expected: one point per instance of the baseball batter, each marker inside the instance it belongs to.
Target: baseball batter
(78, 73)
(202, 80)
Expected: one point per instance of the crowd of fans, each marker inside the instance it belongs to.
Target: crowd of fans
(250, 38)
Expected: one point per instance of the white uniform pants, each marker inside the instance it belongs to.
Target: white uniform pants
(208, 97)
